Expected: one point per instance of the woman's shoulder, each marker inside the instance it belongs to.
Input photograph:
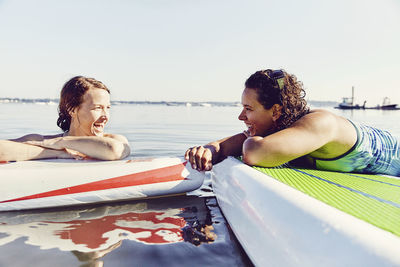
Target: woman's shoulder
(53, 136)
(318, 118)
(29, 137)
(328, 124)
(35, 137)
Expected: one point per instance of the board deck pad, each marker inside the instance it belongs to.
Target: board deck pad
(372, 198)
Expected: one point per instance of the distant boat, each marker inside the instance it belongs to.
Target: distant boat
(171, 104)
(348, 102)
(386, 105)
(205, 104)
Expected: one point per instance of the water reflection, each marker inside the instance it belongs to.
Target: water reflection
(92, 232)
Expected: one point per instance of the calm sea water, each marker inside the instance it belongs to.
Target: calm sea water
(134, 233)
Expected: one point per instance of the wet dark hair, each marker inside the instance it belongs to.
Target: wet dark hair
(71, 97)
(290, 95)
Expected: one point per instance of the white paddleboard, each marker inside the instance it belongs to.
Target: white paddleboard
(279, 225)
(51, 183)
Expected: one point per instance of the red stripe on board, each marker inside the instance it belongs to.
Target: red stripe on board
(166, 174)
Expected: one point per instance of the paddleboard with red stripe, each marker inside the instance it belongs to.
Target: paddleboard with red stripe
(51, 183)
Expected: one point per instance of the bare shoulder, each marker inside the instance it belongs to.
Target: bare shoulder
(52, 136)
(325, 125)
(118, 137)
(35, 137)
(317, 120)
(29, 137)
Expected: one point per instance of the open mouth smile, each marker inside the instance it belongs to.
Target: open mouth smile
(98, 127)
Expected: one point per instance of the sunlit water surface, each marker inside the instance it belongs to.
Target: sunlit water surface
(177, 231)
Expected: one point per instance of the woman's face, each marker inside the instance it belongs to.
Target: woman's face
(258, 120)
(90, 118)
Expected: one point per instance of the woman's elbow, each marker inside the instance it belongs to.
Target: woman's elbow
(119, 150)
(113, 150)
(255, 153)
(126, 151)
(251, 150)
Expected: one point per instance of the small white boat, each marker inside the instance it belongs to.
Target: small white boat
(51, 183)
(296, 217)
(205, 104)
(348, 102)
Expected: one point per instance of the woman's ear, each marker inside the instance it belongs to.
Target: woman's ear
(276, 112)
(72, 112)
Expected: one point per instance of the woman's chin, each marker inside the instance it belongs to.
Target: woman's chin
(252, 134)
(97, 133)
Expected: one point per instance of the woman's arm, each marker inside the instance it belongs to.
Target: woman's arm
(310, 133)
(109, 147)
(16, 151)
(203, 157)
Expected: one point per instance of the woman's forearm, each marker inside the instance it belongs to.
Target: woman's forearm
(230, 146)
(203, 157)
(104, 148)
(15, 151)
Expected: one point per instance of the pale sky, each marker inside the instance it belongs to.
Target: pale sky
(186, 50)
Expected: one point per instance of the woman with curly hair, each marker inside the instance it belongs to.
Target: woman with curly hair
(281, 128)
(83, 113)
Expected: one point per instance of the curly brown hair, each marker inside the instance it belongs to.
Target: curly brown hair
(290, 95)
(72, 97)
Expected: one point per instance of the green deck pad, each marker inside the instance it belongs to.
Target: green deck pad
(370, 185)
(372, 198)
(384, 179)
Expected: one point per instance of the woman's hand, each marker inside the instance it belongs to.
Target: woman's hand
(72, 154)
(200, 158)
(55, 144)
(103, 148)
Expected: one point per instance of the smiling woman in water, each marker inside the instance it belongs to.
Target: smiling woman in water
(83, 113)
(281, 129)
